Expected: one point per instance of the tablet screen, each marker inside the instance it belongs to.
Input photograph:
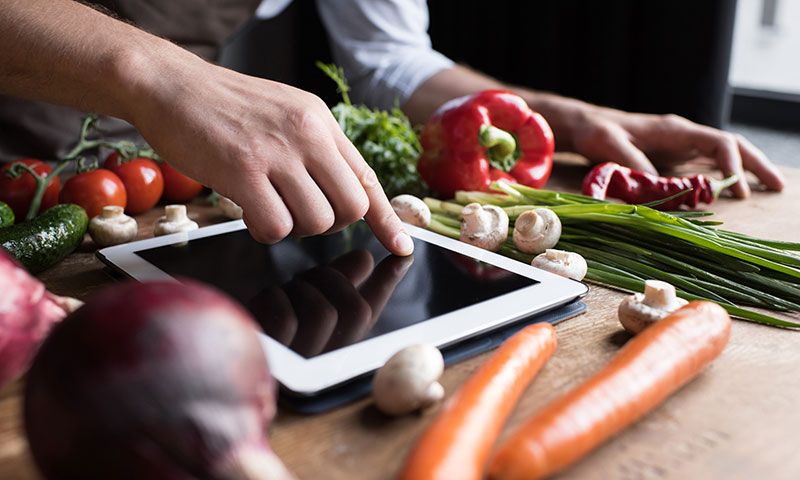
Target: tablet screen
(319, 294)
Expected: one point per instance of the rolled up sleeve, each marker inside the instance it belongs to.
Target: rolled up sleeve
(383, 46)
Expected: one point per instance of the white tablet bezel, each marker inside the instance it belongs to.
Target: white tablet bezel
(309, 376)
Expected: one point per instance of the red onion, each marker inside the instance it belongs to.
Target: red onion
(153, 381)
(27, 311)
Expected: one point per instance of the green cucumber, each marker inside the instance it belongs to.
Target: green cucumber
(6, 215)
(48, 238)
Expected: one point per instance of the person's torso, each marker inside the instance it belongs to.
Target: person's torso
(42, 130)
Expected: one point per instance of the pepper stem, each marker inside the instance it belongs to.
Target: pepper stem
(717, 186)
(501, 146)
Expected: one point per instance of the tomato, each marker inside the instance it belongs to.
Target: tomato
(142, 178)
(93, 190)
(18, 192)
(177, 186)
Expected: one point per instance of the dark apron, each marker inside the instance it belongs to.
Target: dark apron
(42, 130)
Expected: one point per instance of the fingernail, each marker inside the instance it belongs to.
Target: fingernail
(404, 244)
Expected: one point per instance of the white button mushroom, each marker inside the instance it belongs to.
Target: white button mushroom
(639, 311)
(566, 264)
(409, 380)
(485, 226)
(112, 227)
(175, 220)
(412, 210)
(229, 208)
(537, 230)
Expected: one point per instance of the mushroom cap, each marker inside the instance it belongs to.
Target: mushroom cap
(412, 210)
(537, 230)
(640, 310)
(567, 264)
(112, 227)
(484, 226)
(408, 380)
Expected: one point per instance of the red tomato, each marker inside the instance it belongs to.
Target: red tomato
(93, 190)
(177, 186)
(18, 192)
(143, 181)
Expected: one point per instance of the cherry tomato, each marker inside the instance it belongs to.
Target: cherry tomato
(93, 190)
(142, 178)
(177, 186)
(18, 192)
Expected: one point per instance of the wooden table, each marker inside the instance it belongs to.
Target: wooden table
(738, 420)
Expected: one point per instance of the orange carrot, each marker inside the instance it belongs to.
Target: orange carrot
(458, 443)
(653, 365)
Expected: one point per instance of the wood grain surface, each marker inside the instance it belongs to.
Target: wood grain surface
(738, 420)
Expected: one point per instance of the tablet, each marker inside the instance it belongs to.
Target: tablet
(334, 308)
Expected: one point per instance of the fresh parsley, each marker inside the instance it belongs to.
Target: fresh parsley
(386, 139)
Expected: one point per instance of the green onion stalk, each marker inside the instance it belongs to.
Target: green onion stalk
(624, 245)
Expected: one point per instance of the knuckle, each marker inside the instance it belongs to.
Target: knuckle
(727, 139)
(602, 131)
(282, 230)
(674, 121)
(354, 210)
(368, 178)
(316, 224)
(307, 122)
(271, 233)
(390, 220)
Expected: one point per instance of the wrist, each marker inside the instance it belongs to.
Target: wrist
(564, 115)
(144, 73)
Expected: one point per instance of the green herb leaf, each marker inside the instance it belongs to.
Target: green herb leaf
(386, 140)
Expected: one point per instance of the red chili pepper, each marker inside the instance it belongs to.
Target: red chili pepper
(632, 186)
(471, 141)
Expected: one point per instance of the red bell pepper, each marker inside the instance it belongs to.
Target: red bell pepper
(610, 179)
(473, 140)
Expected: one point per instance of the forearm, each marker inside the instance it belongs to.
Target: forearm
(445, 85)
(61, 51)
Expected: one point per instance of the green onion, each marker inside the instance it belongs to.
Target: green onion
(626, 244)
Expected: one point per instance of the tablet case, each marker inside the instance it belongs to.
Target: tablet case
(361, 387)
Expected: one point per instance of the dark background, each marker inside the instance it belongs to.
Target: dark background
(637, 55)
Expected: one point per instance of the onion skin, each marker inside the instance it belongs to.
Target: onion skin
(27, 312)
(159, 380)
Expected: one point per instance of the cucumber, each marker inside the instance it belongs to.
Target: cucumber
(6, 215)
(48, 238)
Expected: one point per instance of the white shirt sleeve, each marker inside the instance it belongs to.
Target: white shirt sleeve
(383, 47)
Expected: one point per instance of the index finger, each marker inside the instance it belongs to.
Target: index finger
(724, 149)
(757, 162)
(380, 217)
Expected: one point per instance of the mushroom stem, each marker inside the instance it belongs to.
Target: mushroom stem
(433, 396)
(174, 220)
(537, 230)
(484, 226)
(409, 380)
(556, 255)
(560, 262)
(658, 294)
(175, 213)
(639, 311)
(111, 211)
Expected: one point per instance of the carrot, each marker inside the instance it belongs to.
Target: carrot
(458, 443)
(653, 365)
